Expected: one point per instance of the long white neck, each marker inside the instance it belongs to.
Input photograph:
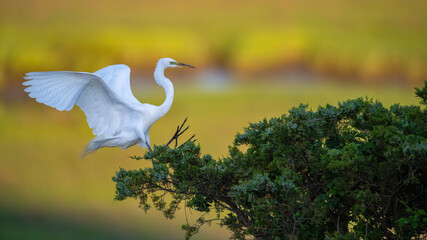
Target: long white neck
(166, 84)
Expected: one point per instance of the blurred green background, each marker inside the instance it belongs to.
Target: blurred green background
(254, 59)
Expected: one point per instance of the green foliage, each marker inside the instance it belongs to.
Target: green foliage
(352, 171)
(422, 93)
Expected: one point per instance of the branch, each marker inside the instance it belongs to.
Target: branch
(190, 139)
(193, 229)
(179, 131)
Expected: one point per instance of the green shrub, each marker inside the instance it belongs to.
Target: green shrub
(352, 171)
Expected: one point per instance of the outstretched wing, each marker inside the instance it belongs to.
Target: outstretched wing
(117, 77)
(104, 109)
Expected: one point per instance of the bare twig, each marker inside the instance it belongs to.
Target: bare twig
(190, 139)
(179, 131)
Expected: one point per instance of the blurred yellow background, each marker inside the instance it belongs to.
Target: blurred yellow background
(254, 59)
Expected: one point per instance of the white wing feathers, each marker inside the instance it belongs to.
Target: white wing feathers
(56, 89)
(105, 110)
(117, 77)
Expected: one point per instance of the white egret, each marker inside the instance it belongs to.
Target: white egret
(117, 118)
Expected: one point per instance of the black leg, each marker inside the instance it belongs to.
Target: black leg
(150, 150)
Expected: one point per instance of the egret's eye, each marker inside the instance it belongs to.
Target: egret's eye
(173, 63)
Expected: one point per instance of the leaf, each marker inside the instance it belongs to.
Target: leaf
(402, 221)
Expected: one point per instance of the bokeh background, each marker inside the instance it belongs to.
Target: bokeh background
(255, 60)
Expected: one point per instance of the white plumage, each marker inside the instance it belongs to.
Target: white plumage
(117, 118)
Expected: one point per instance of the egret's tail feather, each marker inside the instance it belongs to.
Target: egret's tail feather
(90, 147)
(93, 145)
(98, 143)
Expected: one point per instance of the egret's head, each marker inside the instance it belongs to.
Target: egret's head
(169, 62)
